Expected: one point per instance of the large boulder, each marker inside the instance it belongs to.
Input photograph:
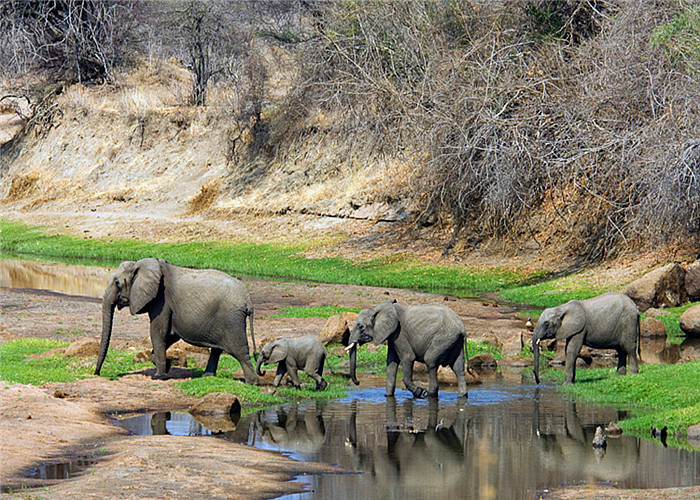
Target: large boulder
(85, 348)
(483, 362)
(217, 403)
(337, 329)
(652, 327)
(663, 287)
(690, 321)
(692, 281)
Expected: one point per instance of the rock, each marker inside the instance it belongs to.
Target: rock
(613, 430)
(654, 312)
(218, 423)
(217, 403)
(445, 375)
(663, 287)
(483, 362)
(512, 347)
(337, 329)
(694, 434)
(692, 281)
(59, 351)
(690, 321)
(177, 357)
(652, 327)
(142, 356)
(84, 348)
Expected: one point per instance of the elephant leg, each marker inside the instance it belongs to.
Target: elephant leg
(392, 366)
(432, 381)
(281, 370)
(458, 368)
(573, 348)
(292, 370)
(213, 362)
(248, 371)
(621, 362)
(634, 366)
(315, 370)
(160, 334)
(407, 368)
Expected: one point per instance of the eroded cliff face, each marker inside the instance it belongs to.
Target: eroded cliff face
(134, 144)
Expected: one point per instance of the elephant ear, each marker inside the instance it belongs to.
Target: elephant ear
(144, 285)
(386, 321)
(279, 352)
(573, 320)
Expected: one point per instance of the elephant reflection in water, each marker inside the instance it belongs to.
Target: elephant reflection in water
(423, 447)
(569, 448)
(301, 430)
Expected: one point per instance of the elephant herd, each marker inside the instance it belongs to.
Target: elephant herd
(209, 308)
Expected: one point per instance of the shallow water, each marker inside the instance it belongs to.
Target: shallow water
(503, 442)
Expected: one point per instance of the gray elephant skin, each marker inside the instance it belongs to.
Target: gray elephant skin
(608, 321)
(292, 354)
(432, 334)
(206, 308)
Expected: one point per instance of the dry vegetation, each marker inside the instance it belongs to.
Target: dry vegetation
(573, 123)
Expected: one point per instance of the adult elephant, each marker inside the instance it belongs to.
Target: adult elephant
(206, 308)
(608, 321)
(432, 334)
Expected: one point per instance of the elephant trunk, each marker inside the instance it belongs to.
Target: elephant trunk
(109, 302)
(258, 367)
(536, 354)
(353, 363)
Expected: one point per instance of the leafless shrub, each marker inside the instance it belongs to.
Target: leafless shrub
(514, 113)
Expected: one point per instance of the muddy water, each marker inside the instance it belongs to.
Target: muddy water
(505, 441)
(83, 281)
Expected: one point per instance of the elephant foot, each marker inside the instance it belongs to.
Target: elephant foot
(419, 392)
(463, 395)
(208, 374)
(160, 376)
(298, 387)
(322, 385)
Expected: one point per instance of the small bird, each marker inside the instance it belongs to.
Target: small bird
(599, 440)
(529, 325)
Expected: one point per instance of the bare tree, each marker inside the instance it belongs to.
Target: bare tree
(73, 40)
(207, 34)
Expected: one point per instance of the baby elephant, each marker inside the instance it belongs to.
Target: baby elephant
(292, 354)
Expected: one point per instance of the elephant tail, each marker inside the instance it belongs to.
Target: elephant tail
(250, 313)
(466, 357)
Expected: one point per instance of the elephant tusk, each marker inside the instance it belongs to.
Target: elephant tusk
(537, 342)
(350, 347)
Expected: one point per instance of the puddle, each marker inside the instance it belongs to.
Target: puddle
(81, 281)
(52, 471)
(502, 436)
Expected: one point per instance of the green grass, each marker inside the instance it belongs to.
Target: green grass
(659, 395)
(313, 312)
(551, 293)
(14, 368)
(265, 260)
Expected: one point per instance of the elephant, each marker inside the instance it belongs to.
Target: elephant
(432, 334)
(206, 308)
(608, 321)
(291, 354)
